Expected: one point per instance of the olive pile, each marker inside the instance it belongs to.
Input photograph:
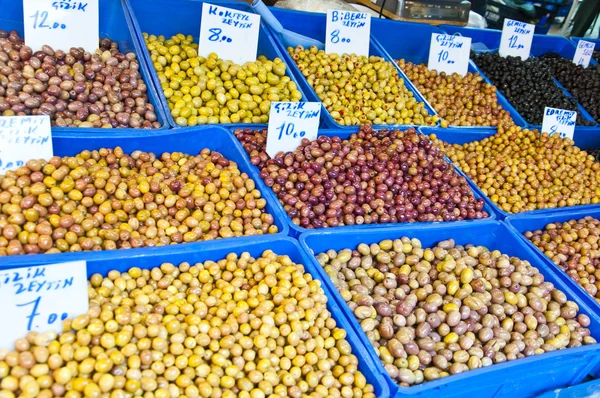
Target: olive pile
(357, 89)
(573, 246)
(596, 56)
(75, 88)
(595, 153)
(435, 312)
(106, 199)
(523, 170)
(581, 83)
(528, 85)
(458, 100)
(238, 327)
(209, 90)
(374, 177)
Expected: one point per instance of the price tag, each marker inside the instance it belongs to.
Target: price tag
(39, 298)
(584, 52)
(516, 39)
(559, 121)
(231, 34)
(449, 54)
(61, 24)
(348, 32)
(289, 123)
(23, 138)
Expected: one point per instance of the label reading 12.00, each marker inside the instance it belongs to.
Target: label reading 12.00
(290, 123)
(516, 39)
(584, 52)
(61, 24)
(231, 34)
(348, 32)
(559, 121)
(449, 54)
(23, 138)
(39, 298)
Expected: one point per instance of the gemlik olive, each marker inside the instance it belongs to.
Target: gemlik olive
(357, 89)
(201, 90)
(106, 200)
(528, 85)
(374, 177)
(522, 170)
(430, 335)
(212, 329)
(76, 89)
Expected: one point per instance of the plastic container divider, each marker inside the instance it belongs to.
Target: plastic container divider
(525, 377)
(115, 25)
(160, 17)
(584, 390)
(415, 48)
(313, 25)
(584, 139)
(216, 250)
(296, 230)
(187, 140)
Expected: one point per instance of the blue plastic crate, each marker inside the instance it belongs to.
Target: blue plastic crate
(584, 390)
(313, 25)
(115, 25)
(415, 48)
(256, 246)
(525, 377)
(481, 39)
(160, 17)
(296, 230)
(188, 140)
(584, 139)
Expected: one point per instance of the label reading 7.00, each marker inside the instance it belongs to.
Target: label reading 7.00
(231, 34)
(61, 24)
(39, 298)
(584, 52)
(449, 54)
(559, 121)
(516, 39)
(348, 32)
(290, 123)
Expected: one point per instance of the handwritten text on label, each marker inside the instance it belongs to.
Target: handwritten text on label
(516, 39)
(40, 298)
(289, 123)
(348, 32)
(449, 54)
(23, 138)
(559, 121)
(584, 52)
(231, 34)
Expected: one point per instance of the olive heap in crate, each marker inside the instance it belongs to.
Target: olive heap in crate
(528, 85)
(435, 312)
(523, 170)
(573, 246)
(75, 87)
(209, 90)
(459, 100)
(238, 327)
(358, 89)
(374, 177)
(106, 199)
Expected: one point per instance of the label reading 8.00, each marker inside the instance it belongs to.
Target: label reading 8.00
(348, 32)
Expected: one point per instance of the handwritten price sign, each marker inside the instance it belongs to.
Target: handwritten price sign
(559, 121)
(584, 52)
(348, 32)
(61, 24)
(289, 123)
(516, 39)
(449, 54)
(40, 298)
(23, 138)
(231, 34)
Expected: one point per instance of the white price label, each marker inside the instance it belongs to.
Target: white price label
(449, 54)
(348, 32)
(584, 52)
(559, 121)
(61, 24)
(23, 138)
(39, 298)
(231, 34)
(516, 39)
(290, 123)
